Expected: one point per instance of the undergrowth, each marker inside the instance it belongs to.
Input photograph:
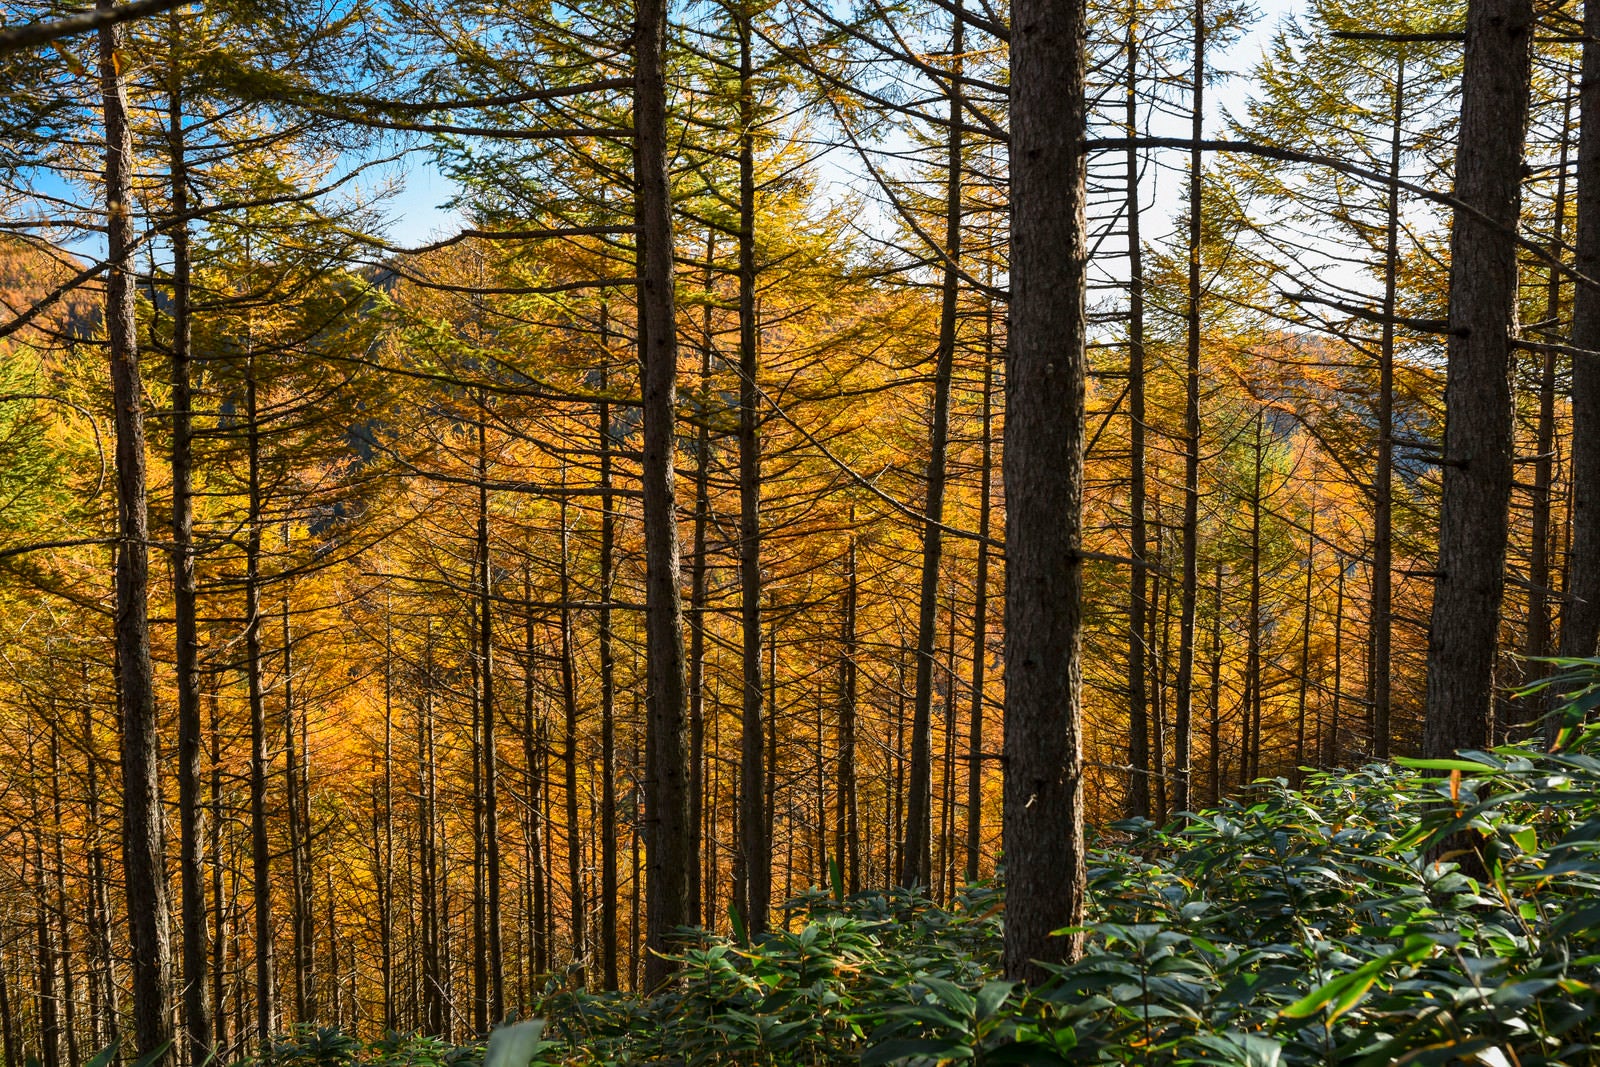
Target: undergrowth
(1312, 926)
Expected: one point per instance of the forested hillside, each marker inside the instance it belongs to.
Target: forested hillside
(831, 446)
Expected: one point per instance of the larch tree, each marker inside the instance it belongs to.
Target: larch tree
(1043, 471)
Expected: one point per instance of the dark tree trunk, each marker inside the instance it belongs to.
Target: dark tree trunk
(196, 991)
(1580, 621)
(493, 951)
(1537, 643)
(1383, 480)
(980, 613)
(916, 862)
(671, 845)
(1043, 471)
(847, 846)
(1462, 637)
(144, 865)
(608, 698)
(702, 891)
(1191, 432)
(755, 842)
(569, 760)
(260, 847)
(1139, 536)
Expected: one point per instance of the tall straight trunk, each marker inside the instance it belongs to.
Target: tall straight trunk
(1476, 494)
(1305, 646)
(697, 618)
(300, 919)
(608, 697)
(1043, 471)
(432, 977)
(47, 1009)
(197, 1045)
(1332, 754)
(569, 760)
(385, 844)
(260, 846)
(1252, 663)
(917, 858)
(143, 851)
(671, 842)
(1214, 733)
(1191, 431)
(8, 1024)
(221, 907)
(847, 846)
(947, 783)
(493, 949)
(980, 613)
(1580, 621)
(755, 844)
(1138, 533)
(533, 762)
(1383, 478)
(1540, 578)
(1161, 642)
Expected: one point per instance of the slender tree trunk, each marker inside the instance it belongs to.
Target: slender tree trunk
(1214, 734)
(755, 843)
(608, 695)
(847, 847)
(1305, 645)
(260, 847)
(1139, 536)
(1191, 431)
(916, 868)
(305, 1007)
(1540, 577)
(1476, 496)
(386, 946)
(1383, 480)
(569, 759)
(980, 613)
(701, 888)
(1252, 668)
(1580, 620)
(494, 950)
(143, 849)
(671, 845)
(1043, 470)
(1333, 754)
(196, 999)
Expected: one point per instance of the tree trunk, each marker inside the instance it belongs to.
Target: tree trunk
(847, 847)
(671, 845)
(569, 760)
(1383, 480)
(608, 695)
(980, 613)
(144, 864)
(1476, 497)
(1043, 471)
(1191, 432)
(755, 843)
(1139, 536)
(260, 847)
(916, 861)
(1580, 621)
(196, 991)
(496, 999)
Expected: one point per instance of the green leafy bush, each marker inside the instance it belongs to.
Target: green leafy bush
(1337, 923)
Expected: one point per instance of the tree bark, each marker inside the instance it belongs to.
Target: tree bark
(980, 613)
(1043, 471)
(916, 862)
(671, 846)
(755, 842)
(1191, 432)
(143, 848)
(1139, 535)
(1476, 497)
(1580, 621)
(196, 991)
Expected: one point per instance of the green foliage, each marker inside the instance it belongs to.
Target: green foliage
(1333, 924)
